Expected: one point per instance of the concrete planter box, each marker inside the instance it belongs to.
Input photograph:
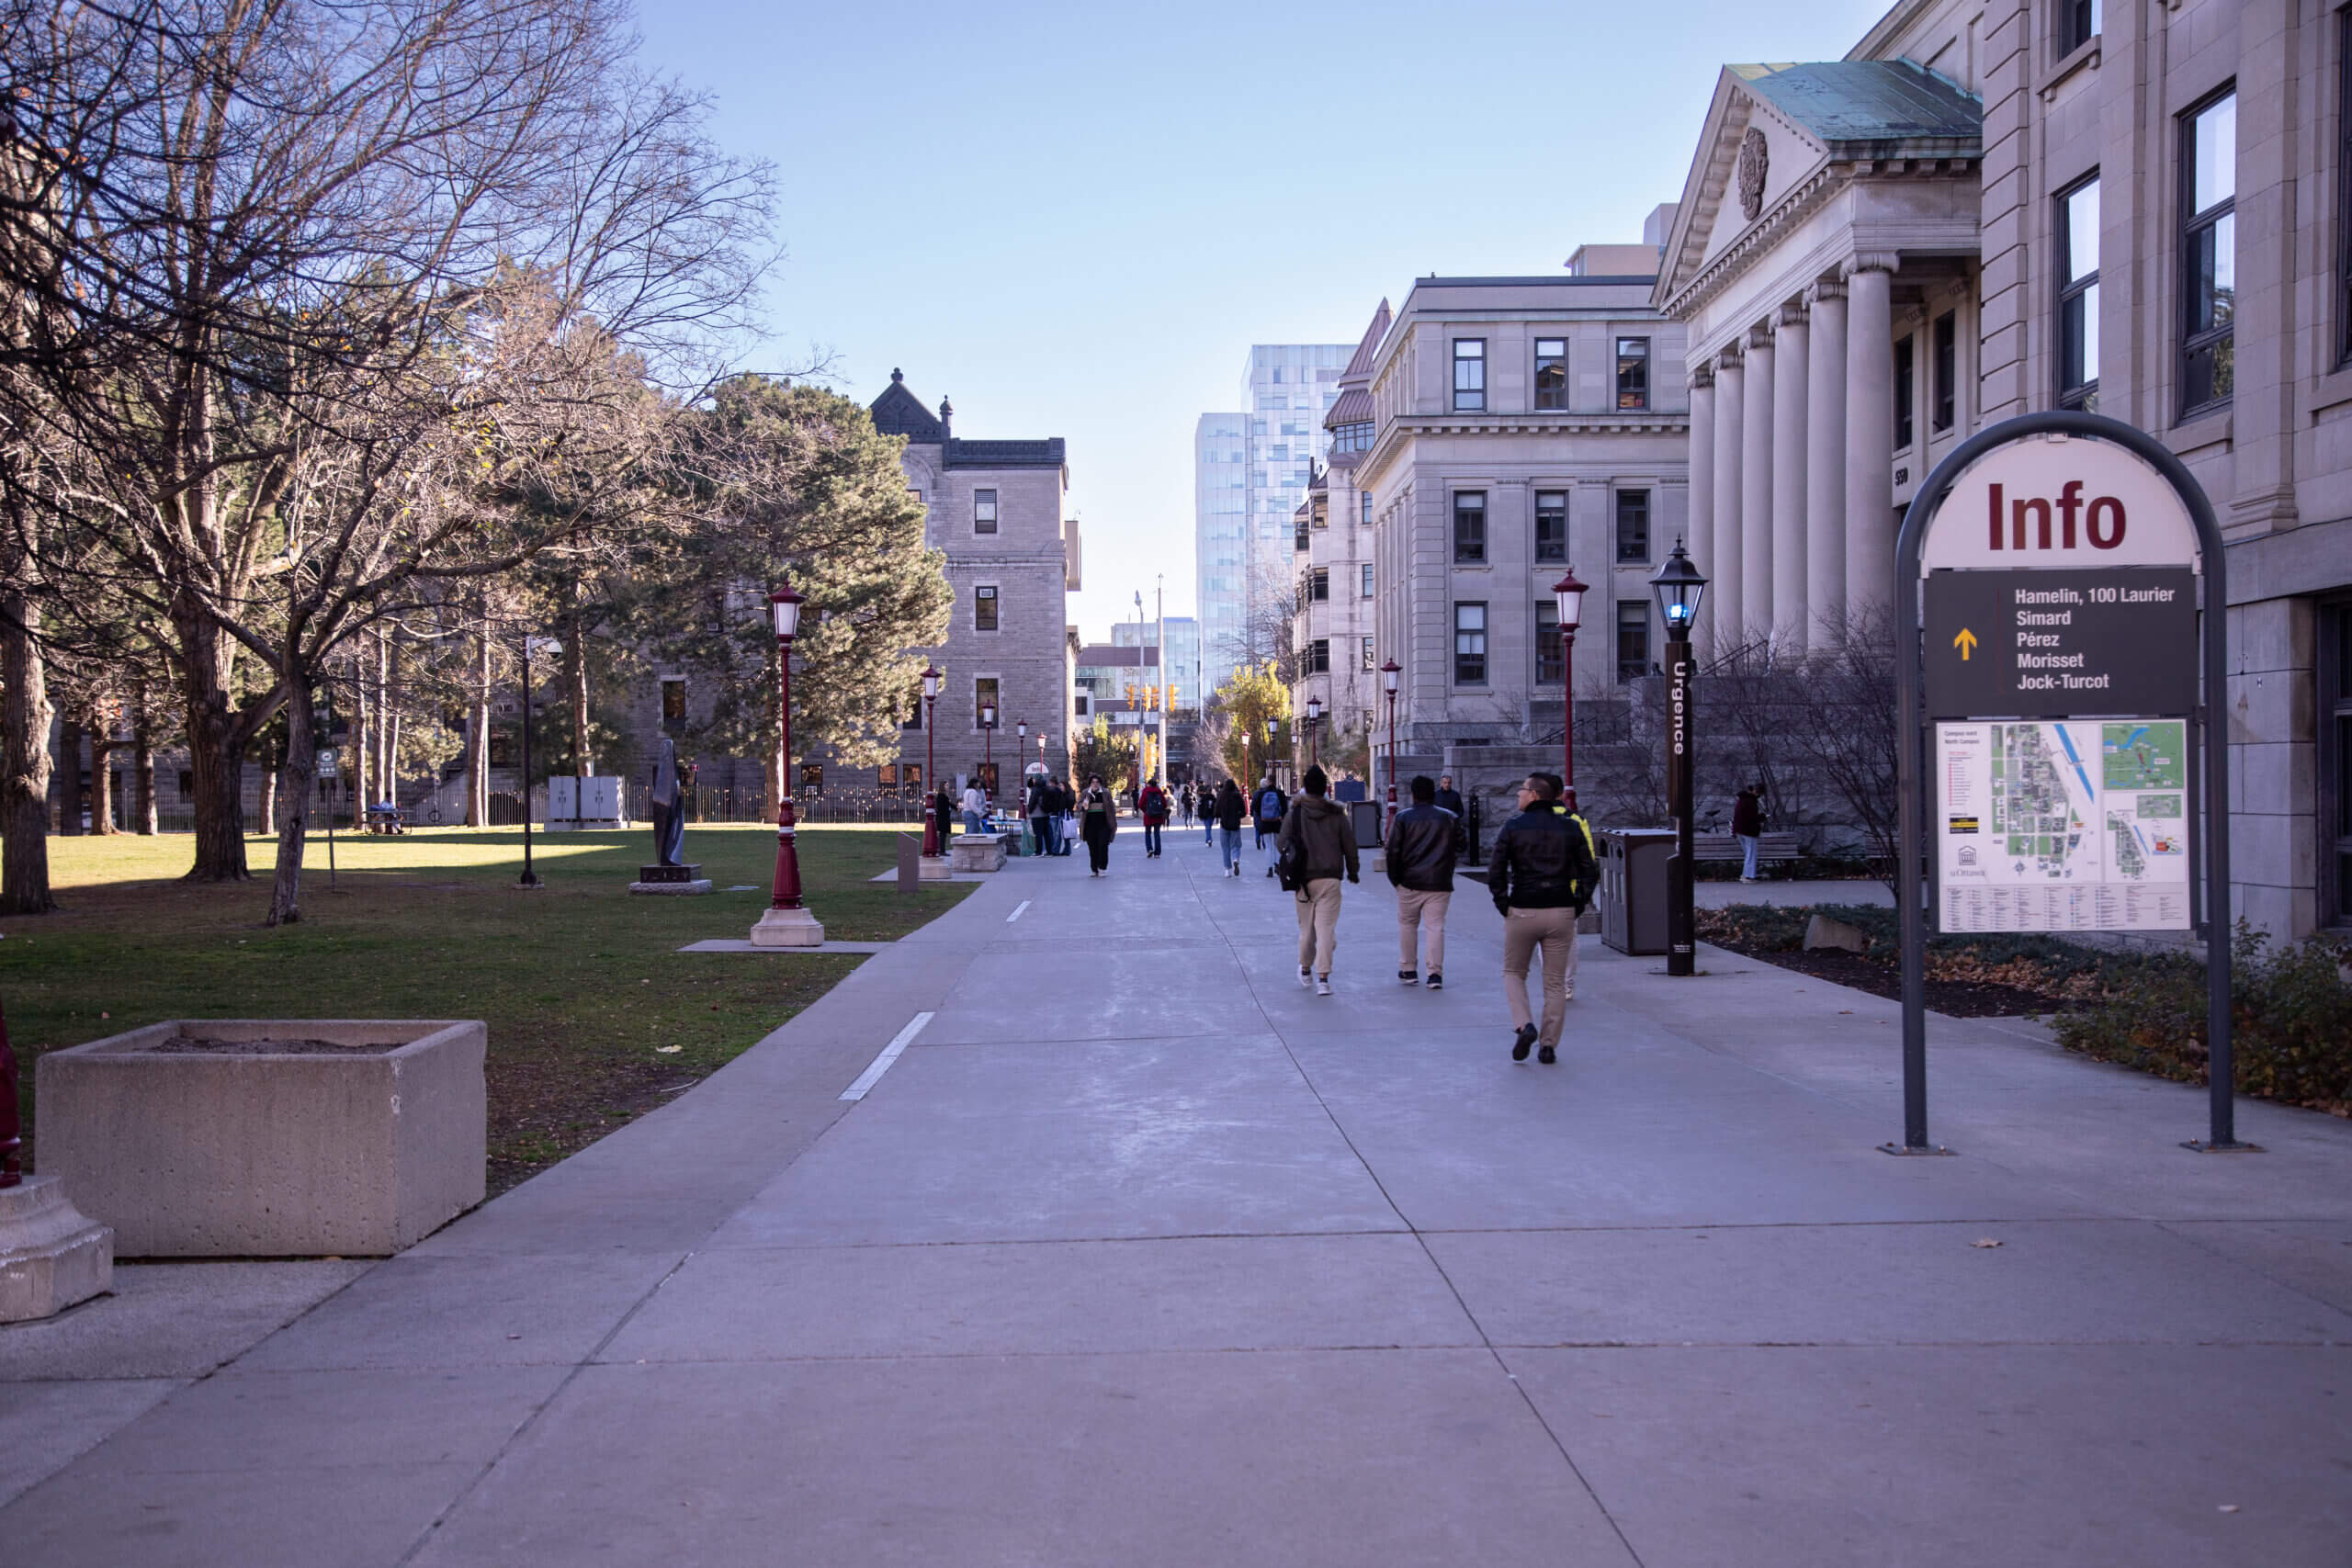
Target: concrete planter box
(354, 1137)
(977, 851)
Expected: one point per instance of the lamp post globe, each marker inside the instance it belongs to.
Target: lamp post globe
(1678, 588)
(933, 830)
(1390, 671)
(785, 922)
(1567, 597)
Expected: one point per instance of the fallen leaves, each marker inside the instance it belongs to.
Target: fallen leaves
(1985, 1241)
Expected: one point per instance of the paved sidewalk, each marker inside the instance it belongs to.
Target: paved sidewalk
(1139, 1254)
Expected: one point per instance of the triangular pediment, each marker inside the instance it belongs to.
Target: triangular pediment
(898, 411)
(1716, 209)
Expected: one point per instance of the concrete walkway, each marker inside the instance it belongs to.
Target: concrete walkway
(1139, 1254)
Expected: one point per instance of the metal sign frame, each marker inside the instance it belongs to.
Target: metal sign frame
(1912, 775)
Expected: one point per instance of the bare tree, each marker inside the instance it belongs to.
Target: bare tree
(324, 291)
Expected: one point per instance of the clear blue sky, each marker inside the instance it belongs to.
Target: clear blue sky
(1074, 219)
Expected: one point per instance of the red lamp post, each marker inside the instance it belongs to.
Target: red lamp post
(785, 922)
(988, 751)
(1568, 595)
(1389, 670)
(933, 830)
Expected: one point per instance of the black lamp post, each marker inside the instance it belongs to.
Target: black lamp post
(530, 878)
(933, 828)
(1678, 588)
(1313, 722)
(1273, 733)
(1568, 594)
(785, 922)
(988, 752)
(1389, 670)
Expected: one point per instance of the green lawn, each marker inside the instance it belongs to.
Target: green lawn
(581, 984)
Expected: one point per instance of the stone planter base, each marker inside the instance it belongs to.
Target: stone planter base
(270, 1138)
(935, 868)
(673, 889)
(51, 1256)
(977, 851)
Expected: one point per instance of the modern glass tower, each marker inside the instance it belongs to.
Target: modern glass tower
(1251, 473)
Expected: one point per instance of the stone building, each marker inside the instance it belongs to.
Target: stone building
(1994, 207)
(1334, 648)
(995, 508)
(1520, 426)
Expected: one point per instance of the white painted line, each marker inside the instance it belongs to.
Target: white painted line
(899, 1042)
(1017, 912)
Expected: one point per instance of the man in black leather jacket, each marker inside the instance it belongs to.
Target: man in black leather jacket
(1423, 843)
(1542, 875)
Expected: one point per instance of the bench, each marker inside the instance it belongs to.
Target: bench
(1724, 847)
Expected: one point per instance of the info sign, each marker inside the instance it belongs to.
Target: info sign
(2054, 575)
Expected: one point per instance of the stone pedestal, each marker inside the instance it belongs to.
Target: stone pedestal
(670, 879)
(788, 928)
(935, 868)
(51, 1256)
(977, 851)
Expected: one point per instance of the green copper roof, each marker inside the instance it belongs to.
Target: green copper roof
(1850, 102)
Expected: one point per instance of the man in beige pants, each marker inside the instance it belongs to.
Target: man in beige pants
(1423, 843)
(1326, 844)
(1541, 874)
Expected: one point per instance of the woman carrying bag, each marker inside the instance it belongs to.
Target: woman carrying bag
(1099, 820)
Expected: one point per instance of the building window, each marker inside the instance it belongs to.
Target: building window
(1551, 658)
(1632, 373)
(1946, 369)
(1551, 373)
(1319, 658)
(2209, 187)
(1367, 579)
(886, 776)
(1469, 375)
(1470, 525)
(1082, 704)
(1319, 584)
(1632, 524)
(673, 701)
(1905, 373)
(2078, 22)
(1633, 639)
(1367, 655)
(983, 696)
(1353, 436)
(2078, 296)
(983, 512)
(913, 719)
(1551, 525)
(1470, 645)
(2335, 762)
(502, 748)
(812, 778)
(984, 609)
(1366, 499)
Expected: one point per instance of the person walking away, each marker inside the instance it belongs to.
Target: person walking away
(1040, 798)
(1541, 874)
(945, 804)
(1184, 804)
(976, 807)
(1747, 827)
(1273, 806)
(1153, 803)
(1423, 843)
(1059, 804)
(1324, 843)
(1209, 798)
(1098, 817)
(1226, 816)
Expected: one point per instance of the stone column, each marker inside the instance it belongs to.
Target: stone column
(1824, 458)
(1756, 490)
(1791, 376)
(1702, 487)
(1722, 562)
(1869, 431)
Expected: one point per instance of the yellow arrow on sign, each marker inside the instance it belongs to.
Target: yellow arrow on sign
(1965, 642)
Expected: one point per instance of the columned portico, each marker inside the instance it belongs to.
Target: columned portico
(1825, 496)
(1702, 482)
(1869, 432)
(1731, 411)
(1791, 388)
(1756, 492)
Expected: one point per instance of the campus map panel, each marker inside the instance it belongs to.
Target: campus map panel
(2063, 826)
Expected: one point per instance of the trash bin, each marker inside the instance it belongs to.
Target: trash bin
(1633, 888)
(1364, 815)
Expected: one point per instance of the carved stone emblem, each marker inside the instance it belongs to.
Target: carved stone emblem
(1754, 162)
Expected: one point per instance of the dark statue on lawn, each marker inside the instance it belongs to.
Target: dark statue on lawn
(668, 808)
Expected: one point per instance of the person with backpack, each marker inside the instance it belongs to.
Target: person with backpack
(1273, 804)
(1315, 846)
(1226, 816)
(1153, 805)
(1423, 843)
(1039, 795)
(1098, 815)
(1542, 875)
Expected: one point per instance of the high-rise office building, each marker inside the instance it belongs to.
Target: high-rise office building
(1184, 670)
(1251, 471)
